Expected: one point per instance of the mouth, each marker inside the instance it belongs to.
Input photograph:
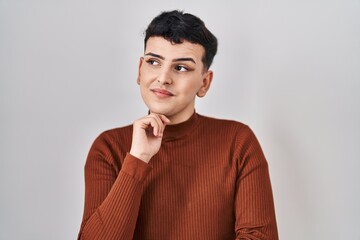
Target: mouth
(162, 92)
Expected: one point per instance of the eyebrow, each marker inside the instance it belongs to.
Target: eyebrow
(174, 60)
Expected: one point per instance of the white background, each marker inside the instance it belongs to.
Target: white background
(288, 69)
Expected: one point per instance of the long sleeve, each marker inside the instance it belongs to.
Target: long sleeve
(209, 180)
(254, 206)
(112, 196)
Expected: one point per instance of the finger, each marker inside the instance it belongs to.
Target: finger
(156, 123)
(161, 125)
(164, 119)
(148, 123)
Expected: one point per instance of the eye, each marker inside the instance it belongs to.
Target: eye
(152, 62)
(181, 68)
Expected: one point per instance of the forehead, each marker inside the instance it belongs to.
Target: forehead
(168, 50)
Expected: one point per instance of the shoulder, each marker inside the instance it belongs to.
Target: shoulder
(239, 132)
(112, 140)
(223, 124)
(116, 134)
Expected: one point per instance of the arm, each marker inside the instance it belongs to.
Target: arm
(111, 201)
(254, 206)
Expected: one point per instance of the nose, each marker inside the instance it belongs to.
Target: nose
(165, 77)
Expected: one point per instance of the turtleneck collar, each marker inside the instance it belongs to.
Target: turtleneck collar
(176, 131)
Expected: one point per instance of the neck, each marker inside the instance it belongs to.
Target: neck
(176, 119)
(181, 129)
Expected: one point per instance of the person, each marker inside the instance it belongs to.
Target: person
(176, 174)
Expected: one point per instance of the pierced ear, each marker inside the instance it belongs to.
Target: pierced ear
(208, 76)
(140, 63)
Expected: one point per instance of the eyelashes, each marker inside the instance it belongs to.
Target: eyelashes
(152, 62)
(177, 67)
(181, 68)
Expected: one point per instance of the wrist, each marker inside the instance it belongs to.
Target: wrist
(145, 157)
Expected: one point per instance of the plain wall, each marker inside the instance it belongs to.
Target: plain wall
(288, 69)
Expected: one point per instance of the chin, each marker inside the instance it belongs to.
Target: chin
(160, 110)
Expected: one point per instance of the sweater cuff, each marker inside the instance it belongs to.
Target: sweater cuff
(135, 167)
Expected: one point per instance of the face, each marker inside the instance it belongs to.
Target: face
(170, 76)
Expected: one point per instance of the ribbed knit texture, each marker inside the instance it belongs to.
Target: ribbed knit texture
(209, 180)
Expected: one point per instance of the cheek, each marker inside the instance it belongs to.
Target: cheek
(147, 75)
(143, 77)
(192, 85)
(189, 90)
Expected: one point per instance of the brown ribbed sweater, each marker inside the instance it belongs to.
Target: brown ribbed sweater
(209, 180)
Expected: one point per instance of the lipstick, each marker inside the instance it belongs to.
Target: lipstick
(162, 93)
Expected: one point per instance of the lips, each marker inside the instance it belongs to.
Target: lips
(162, 92)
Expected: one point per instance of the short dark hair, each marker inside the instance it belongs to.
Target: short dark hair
(177, 26)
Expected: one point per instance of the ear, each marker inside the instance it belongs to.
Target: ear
(139, 75)
(207, 78)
